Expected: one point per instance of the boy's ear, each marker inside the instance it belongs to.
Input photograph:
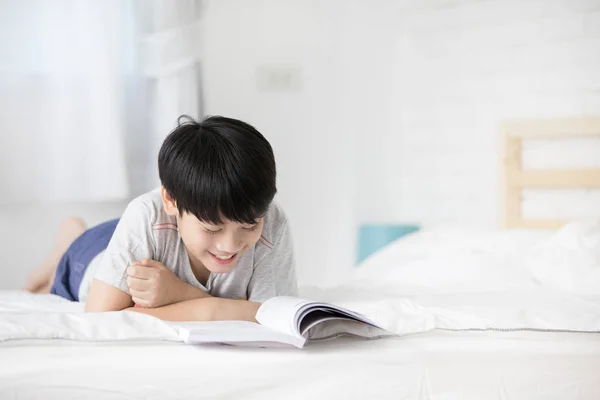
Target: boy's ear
(169, 204)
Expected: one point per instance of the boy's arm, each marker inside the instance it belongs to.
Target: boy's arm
(154, 290)
(153, 285)
(204, 309)
(104, 297)
(131, 240)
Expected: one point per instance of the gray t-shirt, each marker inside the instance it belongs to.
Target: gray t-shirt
(146, 231)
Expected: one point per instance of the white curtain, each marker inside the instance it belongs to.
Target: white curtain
(170, 67)
(88, 90)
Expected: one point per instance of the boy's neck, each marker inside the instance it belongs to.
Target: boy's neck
(200, 272)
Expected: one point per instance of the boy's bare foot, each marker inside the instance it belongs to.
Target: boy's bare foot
(42, 278)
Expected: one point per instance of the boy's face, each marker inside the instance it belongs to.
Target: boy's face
(216, 247)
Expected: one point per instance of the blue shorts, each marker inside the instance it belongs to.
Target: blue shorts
(72, 265)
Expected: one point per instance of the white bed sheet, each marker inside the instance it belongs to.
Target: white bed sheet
(435, 365)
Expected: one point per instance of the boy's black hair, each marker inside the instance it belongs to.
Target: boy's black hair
(218, 166)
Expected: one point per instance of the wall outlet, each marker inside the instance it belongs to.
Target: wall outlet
(278, 78)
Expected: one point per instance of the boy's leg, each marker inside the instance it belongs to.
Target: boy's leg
(41, 279)
(73, 265)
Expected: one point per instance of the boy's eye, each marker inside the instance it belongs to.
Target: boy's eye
(250, 228)
(212, 232)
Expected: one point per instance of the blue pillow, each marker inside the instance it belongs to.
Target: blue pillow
(372, 237)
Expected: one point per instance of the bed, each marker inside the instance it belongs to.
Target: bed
(506, 314)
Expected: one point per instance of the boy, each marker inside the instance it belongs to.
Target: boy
(210, 244)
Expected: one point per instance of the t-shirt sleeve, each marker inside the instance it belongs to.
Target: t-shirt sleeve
(275, 274)
(131, 241)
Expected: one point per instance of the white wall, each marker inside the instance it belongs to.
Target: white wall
(338, 48)
(464, 67)
(400, 100)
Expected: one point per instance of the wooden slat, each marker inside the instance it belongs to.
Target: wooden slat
(552, 128)
(540, 224)
(585, 178)
(515, 179)
(511, 194)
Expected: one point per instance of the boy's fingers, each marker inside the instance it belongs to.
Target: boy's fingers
(154, 264)
(137, 283)
(139, 301)
(146, 262)
(139, 271)
(137, 294)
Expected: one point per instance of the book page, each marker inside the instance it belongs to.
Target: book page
(308, 308)
(295, 316)
(281, 314)
(240, 333)
(316, 317)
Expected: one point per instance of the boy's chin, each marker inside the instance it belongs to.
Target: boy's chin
(221, 269)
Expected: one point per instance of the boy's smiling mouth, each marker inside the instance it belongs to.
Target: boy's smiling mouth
(223, 260)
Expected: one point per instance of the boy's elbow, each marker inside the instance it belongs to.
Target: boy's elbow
(104, 298)
(88, 308)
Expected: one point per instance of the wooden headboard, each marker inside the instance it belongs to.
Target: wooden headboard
(514, 178)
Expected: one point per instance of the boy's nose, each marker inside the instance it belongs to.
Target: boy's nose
(230, 244)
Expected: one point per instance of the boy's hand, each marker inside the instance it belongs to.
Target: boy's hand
(151, 284)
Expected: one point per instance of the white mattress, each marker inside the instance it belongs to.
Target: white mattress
(125, 355)
(435, 365)
(472, 324)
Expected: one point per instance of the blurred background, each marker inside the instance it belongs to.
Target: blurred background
(380, 111)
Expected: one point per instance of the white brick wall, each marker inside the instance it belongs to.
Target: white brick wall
(464, 66)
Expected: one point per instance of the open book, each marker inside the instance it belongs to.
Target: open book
(283, 321)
